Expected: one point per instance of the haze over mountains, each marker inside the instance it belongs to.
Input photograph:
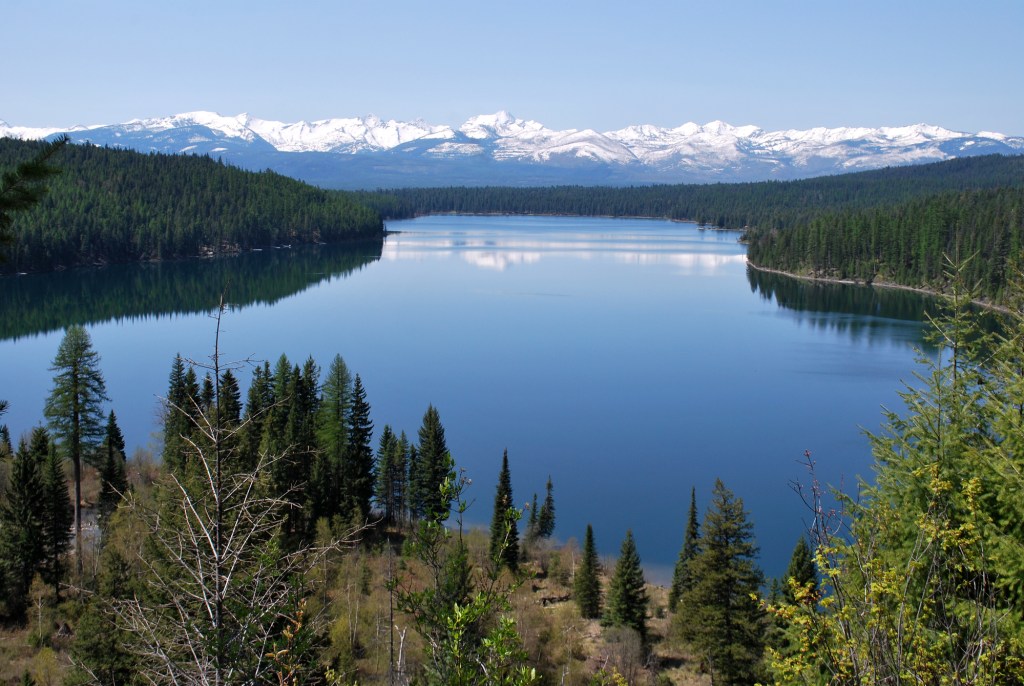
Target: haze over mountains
(499, 149)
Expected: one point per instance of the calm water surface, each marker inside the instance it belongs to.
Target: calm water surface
(630, 360)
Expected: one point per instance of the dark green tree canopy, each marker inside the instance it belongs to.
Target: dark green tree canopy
(504, 522)
(627, 592)
(587, 585)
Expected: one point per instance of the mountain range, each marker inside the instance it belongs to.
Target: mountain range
(500, 149)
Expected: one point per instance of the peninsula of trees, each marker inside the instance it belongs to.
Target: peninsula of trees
(110, 206)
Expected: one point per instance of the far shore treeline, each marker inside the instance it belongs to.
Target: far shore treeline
(894, 226)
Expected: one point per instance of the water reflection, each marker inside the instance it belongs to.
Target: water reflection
(39, 303)
(486, 252)
(857, 311)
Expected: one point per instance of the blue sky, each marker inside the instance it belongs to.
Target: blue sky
(567, 64)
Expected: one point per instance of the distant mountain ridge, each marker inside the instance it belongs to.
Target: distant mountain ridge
(500, 149)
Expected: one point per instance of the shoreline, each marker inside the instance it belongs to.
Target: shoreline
(879, 284)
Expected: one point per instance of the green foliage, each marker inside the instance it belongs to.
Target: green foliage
(358, 477)
(459, 610)
(627, 593)
(121, 206)
(21, 523)
(428, 468)
(546, 517)
(587, 585)
(58, 513)
(801, 578)
(504, 528)
(682, 577)
(392, 475)
(113, 479)
(925, 584)
(74, 409)
(23, 188)
(719, 616)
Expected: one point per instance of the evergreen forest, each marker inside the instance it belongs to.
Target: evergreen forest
(289, 536)
(111, 206)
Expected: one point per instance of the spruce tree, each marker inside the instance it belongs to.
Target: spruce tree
(531, 523)
(58, 513)
(21, 526)
(682, 578)
(801, 573)
(358, 466)
(113, 479)
(719, 616)
(546, 516)
(73, 409)
(504, 523)
(24, 187)
(431, 467)
(627, 595)
(587, 585)
(258, 402)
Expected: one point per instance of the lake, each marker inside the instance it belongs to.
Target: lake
(628, 359)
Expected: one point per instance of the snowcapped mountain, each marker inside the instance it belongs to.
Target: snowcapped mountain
(502, 149)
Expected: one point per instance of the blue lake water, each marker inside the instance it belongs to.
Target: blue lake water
(630, 360)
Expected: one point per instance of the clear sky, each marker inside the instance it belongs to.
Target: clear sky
(777, 64)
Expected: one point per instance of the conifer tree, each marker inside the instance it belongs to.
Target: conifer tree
(719, 616)
(391, 474)
(358, 468)
(801, 573)
(259, 400)
(181, 408)
(546, 516)
(682, 579)
(73, 409)
(504, 529)
(531, 524)
(587, 585)
(24, 187)
(21, 526)
(58, 514)
(627, 595)
(432, 466)
(113, 479)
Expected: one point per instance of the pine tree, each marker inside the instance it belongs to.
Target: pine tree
(58, 513)
(22, 188)
(358, 469)
(74, 409)
(801, 573)
(21, 526)
(113, 481)
(720, 616)
(333, 416)
(391, 474)
(259, 400)
(587, 585)
(627, 595)
(112, 473)
(177, 426)
(531, 523)
(546, 516)
(504, 524)
(682, 579)
(432, 466)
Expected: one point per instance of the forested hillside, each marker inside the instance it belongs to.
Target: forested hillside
(908, 243)
(112, 206)
(767, 205)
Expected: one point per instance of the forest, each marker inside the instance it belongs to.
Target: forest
(286, 538)
(109, 206)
